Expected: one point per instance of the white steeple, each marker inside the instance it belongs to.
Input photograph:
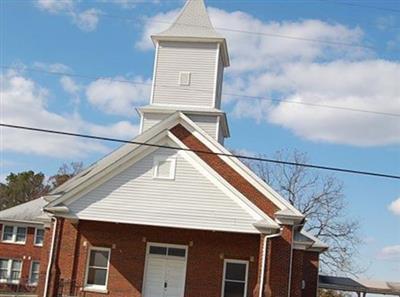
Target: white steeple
(193, 21)
(188, 72)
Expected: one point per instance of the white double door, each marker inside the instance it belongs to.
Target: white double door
(165, 271)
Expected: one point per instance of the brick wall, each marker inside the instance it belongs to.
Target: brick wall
(310, 273)
(204, 266)
(279, 264)
(27, 252)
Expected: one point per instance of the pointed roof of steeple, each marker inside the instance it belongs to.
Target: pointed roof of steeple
(193, 21)
(194, 25)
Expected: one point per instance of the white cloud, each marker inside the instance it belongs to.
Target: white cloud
(118, 95)
(56, 6)
(53, 67)
(86, 20)
(69, 85)
(390, 253)
(154, 25)
(24, 102)
(340, 83)
(278, 67)
(394, 207)
(72, 88)
(123, 130)
(251, 52)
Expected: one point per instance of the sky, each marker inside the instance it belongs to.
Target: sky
(334, 53)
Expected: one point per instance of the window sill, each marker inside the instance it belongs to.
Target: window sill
(95, 290)
(12, 242)
(32, 284)
(9, 282)
(38, 245)
(163, 178)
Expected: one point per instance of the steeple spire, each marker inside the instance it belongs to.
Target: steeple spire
(194, 25)
(193, 21)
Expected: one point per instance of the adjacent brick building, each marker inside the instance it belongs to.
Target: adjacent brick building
(21, 246)
(173, 214)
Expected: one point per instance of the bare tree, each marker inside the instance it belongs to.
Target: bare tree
(64, 173)
(320, 198)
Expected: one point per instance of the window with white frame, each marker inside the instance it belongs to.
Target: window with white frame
(10, 270)
(34, 273)
(235, 278)
(14, 234)
(39, 236)
(97, 268)
(164, 167)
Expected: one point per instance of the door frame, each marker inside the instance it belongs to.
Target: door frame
(167, 245)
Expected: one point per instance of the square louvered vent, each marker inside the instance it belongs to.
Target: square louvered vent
(164, 168)
(184, 78)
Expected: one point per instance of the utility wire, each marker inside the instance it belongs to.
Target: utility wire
(313, 166)
(344, 108)
(267, 34)
(363, 6)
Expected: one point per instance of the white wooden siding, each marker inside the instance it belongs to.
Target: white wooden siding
(197, 58)
(221, 137)
(207, 123)
(151, 119)
(191, 200)
(220, 81)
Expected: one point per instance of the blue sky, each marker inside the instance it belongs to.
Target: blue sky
(110, 39)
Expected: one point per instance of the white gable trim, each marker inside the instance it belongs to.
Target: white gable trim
(196, 162)
(222, 184)
(155, 67)
(242, 169)
(121, 164)
(121, 157)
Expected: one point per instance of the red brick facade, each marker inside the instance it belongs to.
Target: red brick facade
(205, 255)
(206, 251)
(26, 252)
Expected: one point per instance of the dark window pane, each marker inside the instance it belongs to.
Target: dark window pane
(158, 250)
(98, 258)
(3, 264)
(176, 252)
(21, 234)
(39, 236)
(235, 271)
(233, 289)
(8, 233)
(97, 277)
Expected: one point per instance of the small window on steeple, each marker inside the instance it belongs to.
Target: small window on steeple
(184, 78)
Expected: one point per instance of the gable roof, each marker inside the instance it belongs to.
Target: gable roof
(113, 162)
(28, 212)
(308, 241)
(193, 199)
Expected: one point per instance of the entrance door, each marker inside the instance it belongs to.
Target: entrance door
(165, 271)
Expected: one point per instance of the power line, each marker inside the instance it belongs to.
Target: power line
(363, 6)
(335, 107)
(267, 34)
(313, 166)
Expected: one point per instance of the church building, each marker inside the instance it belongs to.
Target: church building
(173, 214)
